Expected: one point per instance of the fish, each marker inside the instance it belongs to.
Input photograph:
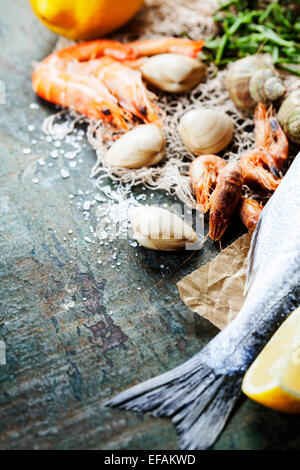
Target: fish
(200, 395)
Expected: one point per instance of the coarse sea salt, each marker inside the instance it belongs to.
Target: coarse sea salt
(86, 205)
(70, 155)
(54, 154)
(64, 173)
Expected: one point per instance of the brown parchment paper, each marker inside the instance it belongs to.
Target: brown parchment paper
(216, 291)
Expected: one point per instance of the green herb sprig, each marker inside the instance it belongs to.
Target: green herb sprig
(249, 29)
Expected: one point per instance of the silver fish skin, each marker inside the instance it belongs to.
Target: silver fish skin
(200, 394)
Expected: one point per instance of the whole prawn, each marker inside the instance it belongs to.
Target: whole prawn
(250, 211)
(255, 173)
(90, 78)
(204, 171)
(270, 136)
(262, 165)
(224, 199)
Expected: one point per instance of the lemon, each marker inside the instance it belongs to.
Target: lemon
(274, 378)
(85, 19)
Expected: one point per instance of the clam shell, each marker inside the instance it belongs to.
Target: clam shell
(173, 73)
(206, 131)
(160, 229)
(142, 146)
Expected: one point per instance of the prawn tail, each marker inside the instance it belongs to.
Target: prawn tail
(197, 398)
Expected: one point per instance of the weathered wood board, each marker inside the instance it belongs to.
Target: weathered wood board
(76, 331)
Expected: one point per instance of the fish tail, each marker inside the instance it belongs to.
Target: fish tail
(197, 398)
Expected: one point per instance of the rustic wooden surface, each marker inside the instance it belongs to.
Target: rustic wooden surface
(78, 332)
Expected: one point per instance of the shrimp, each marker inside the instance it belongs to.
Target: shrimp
(250, 211)
(204, 172)
(86, 51)
(164, 45)
(90, 78)
(254, 172)
(279, 145)
(132, 95)
(224, 199)
(84, 93)
(269, 135)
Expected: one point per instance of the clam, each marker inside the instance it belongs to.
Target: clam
(253, 80)
(173, 73)
(204, 131)
(289, 116)
(160, 229)
(142, 146)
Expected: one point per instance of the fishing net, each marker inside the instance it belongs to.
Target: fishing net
(156, 19)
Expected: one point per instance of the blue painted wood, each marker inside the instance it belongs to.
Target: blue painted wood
(78, 332)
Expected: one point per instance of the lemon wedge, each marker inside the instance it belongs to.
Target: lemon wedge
(274, 378)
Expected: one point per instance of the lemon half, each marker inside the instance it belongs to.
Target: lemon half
(85, 19)
(274, 378)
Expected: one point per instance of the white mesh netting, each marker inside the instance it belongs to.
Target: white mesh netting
(165, 18)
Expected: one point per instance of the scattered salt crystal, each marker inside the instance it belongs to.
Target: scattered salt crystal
(64, 173)
(57, 143)
(34, 106)
(73, 164)
(49, 139)
(41, 162)
(70, 232)
(35, 180)
(99, 261)
(26, 151)
(54, 154)
(70, 155)
(33, 141)
(86, 206)
(71, 196)
(31, 128)
(50, 164)
(87, 239)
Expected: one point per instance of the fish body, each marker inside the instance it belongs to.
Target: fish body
(200, 394)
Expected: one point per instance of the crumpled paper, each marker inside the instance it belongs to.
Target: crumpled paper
(216, 291)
